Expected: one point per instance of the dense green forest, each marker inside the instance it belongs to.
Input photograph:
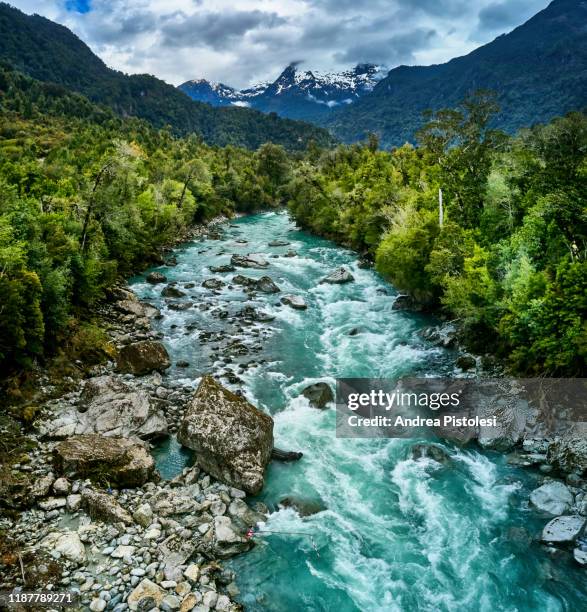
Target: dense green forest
(509, 261)
(87, 197)
(51, 53)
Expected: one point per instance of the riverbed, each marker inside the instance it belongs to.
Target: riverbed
(394, 533)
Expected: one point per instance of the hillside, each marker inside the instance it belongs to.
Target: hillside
(50, 52)
(539, 71)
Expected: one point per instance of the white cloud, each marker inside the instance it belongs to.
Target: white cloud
(240, 42)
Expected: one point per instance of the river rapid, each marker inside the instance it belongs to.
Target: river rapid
(395, 533)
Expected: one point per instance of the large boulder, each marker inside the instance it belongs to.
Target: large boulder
(146, 596)
(156, 277)
(143, 358)
(295, 301)
(338, 277)
(430, 451)
(318, 394)
(222, 269)
(67, 544)
(563, 529)
(249, 261)
(213, 283)
(232, 439)
(109, 407)
(266, 285)
(568, 455)
(119, 461)
(553, 498)
(172, 292)
(104, 507)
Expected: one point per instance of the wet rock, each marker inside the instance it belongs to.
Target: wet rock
(42, 486)
(319, 394)
(278, 243)
(179, 306)
(109, 407)
(568, 455)
(466, 362)
(232, 439)
(405, 302)
(143, 515)
(156, 277)
(364, 264)
(143, 358)
(104, 507)
(249, 261)
(552, 498)
(304, 507)
(295, 301)
(441, 335)
(430, 451)
(146, 596)
(172, 292)
(563, 529)
(226, 541)
(355, 331)
(61, 486)
(290, 253)
(122, 462)
(580, 556)
(183, 364)
(222, 269)
(67, 543)
(213, 283)
(266, 285)
(339, 277)
(249, 312)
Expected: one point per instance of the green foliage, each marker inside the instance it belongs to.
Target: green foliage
(510, 258)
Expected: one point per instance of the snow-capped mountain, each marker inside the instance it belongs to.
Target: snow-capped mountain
(298, 94)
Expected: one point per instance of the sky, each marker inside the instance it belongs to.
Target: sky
(242, 42)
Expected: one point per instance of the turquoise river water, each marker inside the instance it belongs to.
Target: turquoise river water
(395, 533)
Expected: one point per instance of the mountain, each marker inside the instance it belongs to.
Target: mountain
(297, 94)
(539, 71)
(49, 52)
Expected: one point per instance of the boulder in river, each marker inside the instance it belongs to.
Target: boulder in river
(405, 302)
(568, 455)
(233, 440)
(222, 269)
(278, 243)
(249, 261)
(441, 335)
(179, 306)
(109, 407)
(266, 285)
(143, 358)
(339, 277)
(431, 451)
(304, 507)
(213, 283)
(172, 292)
(553, 498)
(319, 394)
(295, 301)
(120, 461)
(156, 277)
(563, 529)
(466, 362)
(67, 543)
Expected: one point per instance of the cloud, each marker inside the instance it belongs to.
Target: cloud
(241, 42)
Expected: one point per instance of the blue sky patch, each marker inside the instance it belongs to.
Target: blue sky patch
(78, 6)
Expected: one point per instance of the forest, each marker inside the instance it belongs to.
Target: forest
(88, 197)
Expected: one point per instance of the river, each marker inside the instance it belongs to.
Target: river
(395, 533)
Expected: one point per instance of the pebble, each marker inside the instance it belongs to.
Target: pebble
(98, 605)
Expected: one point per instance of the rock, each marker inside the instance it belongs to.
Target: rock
(98, 605)
(249, 261)
(170, 602)
(405, 302)
(104, 507)
(179, 306)
(232, 439)
(183, 364)
(143, 515)
(213, 283)
(119, 461)
(172, 292)
(466, 362)
(281, 455)
(304, 507)
(156, 277)
(580, 556)
(61, 486)
(146, 595)
(563, 529)
(290, 253)
(67, 543)
(249, 312)
(355, 331)
(553, 498)
(192, 573)
(364, 264)
(190, 602)
(319, 394)
(53, 503)
(227, 542)
(142, 358)
(295, 301)
(222, 603)
(222, 269)
(278, 243)
(122, 551)
(111, 408)
(339, 277)
(431, 451)
(42, 486)
(132, 306)
(568, 455)
(442, 335)
(73, 502)
(266, 285)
